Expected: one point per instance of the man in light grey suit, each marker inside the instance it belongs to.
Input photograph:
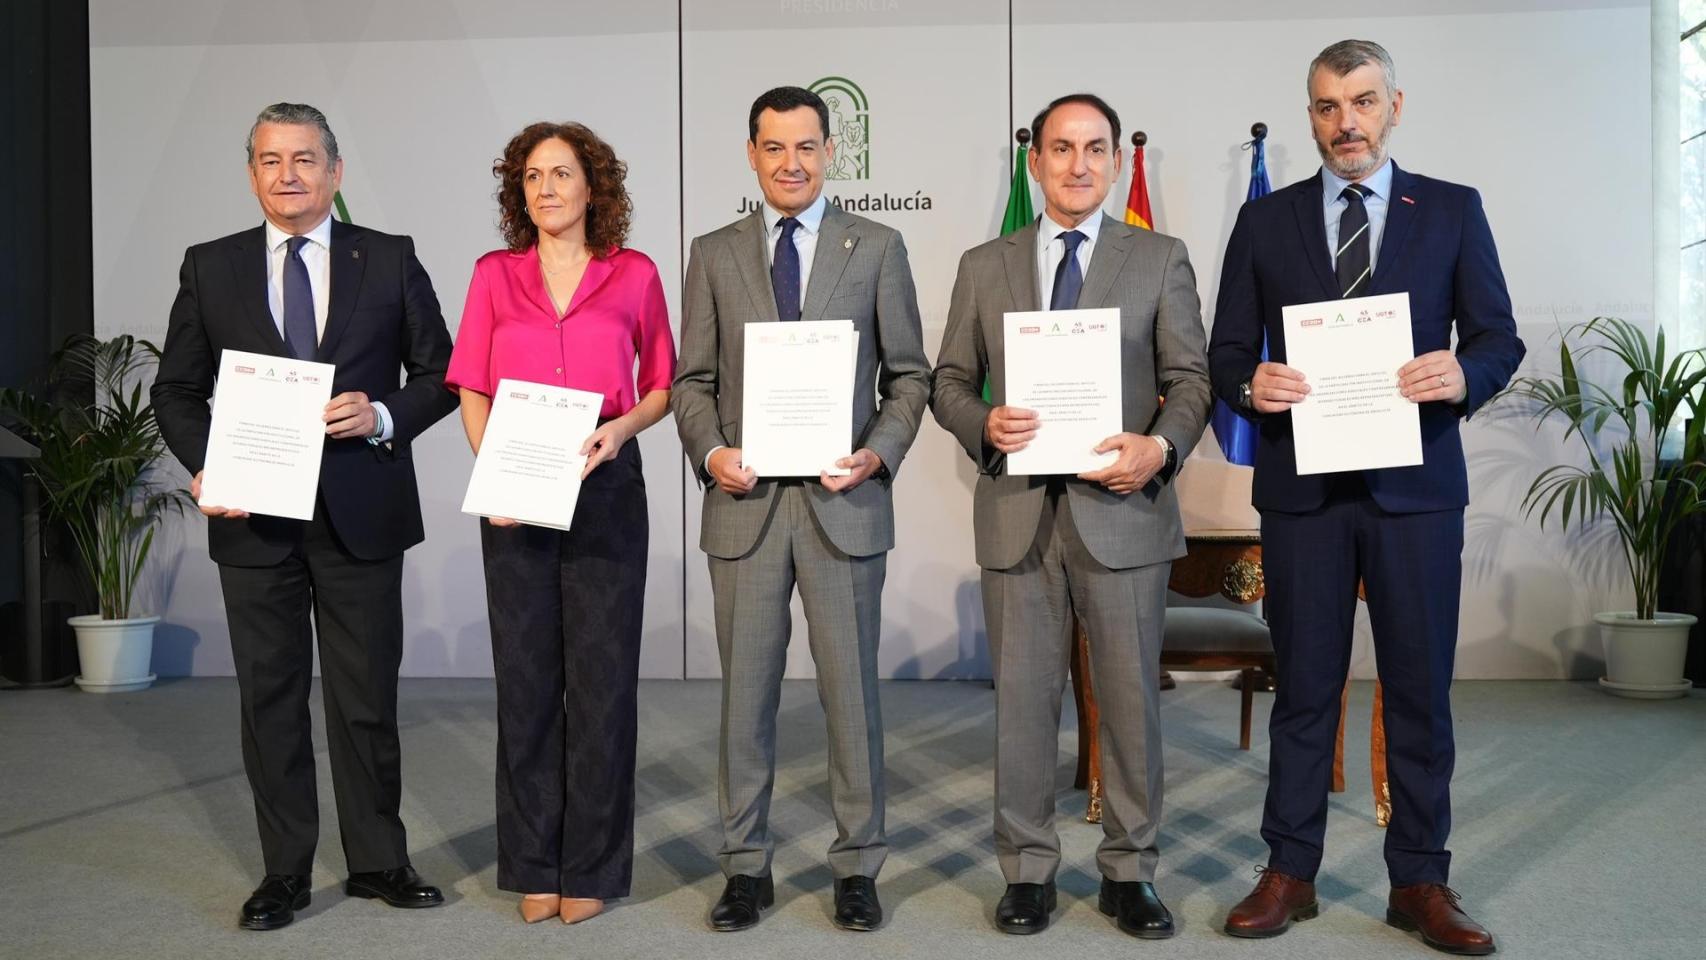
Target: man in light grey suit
(1100, 544)
(799, 258)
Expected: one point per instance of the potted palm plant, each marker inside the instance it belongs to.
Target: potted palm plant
(99, 446)
(1645, 485)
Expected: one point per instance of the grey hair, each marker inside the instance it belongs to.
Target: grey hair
(298, 113)
(1347, 55)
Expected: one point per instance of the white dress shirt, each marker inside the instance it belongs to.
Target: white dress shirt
(317, 257)
(1051, 250)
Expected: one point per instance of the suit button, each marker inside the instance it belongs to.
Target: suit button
(559, 369)
(558, 325)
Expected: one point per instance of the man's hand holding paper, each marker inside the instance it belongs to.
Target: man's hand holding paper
(266, 437)
(1355, 417)
(1063, 379)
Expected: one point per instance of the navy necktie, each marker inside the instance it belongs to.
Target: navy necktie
(1353, 264)
(785, 272)
(299, 332)
(1068, 278)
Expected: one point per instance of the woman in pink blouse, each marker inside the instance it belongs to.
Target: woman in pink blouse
(566, 304)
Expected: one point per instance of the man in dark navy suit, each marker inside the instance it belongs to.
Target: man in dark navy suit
(303, 286)
(1363, 227)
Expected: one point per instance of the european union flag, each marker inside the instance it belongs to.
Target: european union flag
(1237, 435)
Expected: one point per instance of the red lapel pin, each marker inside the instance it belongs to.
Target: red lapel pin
(1408, 201)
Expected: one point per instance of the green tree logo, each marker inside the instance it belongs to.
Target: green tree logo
(849, 125)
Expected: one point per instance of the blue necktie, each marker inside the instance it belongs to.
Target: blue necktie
(785, 272)
(299, 332)
(1068, 278)
(1351, 260)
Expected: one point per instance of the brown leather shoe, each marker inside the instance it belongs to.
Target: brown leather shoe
(1432, 909)
(1270, 908)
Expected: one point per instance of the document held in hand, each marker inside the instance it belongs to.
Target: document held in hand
(797, 402)
(264, 446)
(529, 466)
(1065, 365)
(1349, 352)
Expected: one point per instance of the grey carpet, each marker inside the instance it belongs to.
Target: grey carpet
(126, 830)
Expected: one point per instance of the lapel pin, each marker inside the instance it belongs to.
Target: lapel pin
(847, 243)
(1408, 201)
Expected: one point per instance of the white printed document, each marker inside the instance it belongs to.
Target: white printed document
(530, 463)
(1065, 365)
(263, 450)
(797, 398)
(1349, 352)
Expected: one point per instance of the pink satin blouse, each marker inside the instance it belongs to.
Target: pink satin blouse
(616, 317)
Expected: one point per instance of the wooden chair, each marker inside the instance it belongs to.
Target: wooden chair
(1228, 563)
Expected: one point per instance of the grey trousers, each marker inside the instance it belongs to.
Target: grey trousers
(1028, 610)
(842, 596)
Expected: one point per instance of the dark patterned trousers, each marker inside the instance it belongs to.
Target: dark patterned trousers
(565, 612)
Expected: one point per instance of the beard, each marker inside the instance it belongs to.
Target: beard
(1355, 168)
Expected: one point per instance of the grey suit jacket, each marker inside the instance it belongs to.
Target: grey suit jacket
(1163, 354)
(859, 273)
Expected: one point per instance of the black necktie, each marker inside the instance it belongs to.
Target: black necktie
(785, 272)
(1068, 278)
(299, 333)
(1354, 267)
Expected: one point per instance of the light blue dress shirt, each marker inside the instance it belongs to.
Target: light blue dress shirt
(1051, 250)
(805, 237)
(1377, 203)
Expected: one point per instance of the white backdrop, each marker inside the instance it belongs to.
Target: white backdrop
(1542, 105)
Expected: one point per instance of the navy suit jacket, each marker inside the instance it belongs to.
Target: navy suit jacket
(382, 320)
(1438, 248)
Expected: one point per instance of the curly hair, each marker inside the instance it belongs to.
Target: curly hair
(608, 209)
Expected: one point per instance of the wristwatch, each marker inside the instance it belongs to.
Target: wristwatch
(1168, 456)
(1244, 396)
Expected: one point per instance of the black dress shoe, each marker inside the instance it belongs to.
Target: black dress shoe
(856, 906)
(1025, 908)
(275, 902)
(399, 886)
(1137, 909)
(743, 897)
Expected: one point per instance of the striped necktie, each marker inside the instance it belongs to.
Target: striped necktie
(1354, 268)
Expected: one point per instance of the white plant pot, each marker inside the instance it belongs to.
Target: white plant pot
(1644, 658)
(115, 654)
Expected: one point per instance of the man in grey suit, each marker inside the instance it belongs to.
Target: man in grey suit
(1099, 544)
(799, 258)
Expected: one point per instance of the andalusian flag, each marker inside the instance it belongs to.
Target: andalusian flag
(1237, 436)
(1137, 204)
(1018, 216)
(1019, 213)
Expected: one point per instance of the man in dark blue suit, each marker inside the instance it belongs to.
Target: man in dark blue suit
(304, 286)
(1363, 227)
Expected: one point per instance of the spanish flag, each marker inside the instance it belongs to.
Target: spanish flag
(1137, 204)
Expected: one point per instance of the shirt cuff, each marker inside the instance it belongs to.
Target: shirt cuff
(706, 466)
(383, 416)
